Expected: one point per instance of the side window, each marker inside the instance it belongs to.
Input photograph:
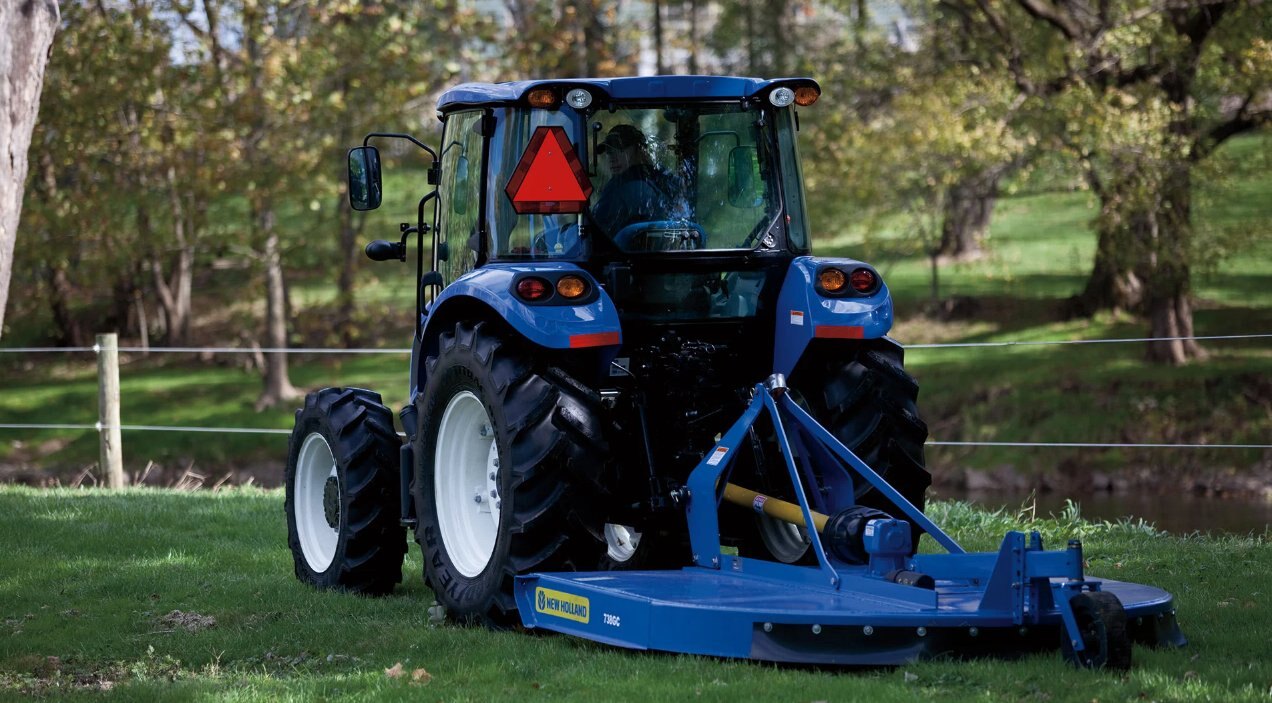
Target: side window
(460, 205)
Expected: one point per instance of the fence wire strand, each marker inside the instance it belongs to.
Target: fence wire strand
(316, 350)
(254, 430)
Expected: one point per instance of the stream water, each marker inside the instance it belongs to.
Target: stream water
(1177, 514)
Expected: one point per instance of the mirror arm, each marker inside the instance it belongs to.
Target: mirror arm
(434, 169)
(366, 141)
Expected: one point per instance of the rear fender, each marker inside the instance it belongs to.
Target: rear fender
(805, 314)
(487, 294)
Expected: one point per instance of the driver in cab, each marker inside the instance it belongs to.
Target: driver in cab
(635, 191)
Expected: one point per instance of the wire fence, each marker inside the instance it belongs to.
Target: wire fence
(100, 427)
(405, 350)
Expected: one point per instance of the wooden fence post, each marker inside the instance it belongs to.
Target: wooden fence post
(112, 454)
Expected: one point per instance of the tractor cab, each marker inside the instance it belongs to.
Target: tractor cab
(682, 196)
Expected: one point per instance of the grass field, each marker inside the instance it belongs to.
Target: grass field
(1040, 253)
(89, 578)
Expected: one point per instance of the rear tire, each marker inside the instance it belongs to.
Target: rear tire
(869, 403)
(485, 411)
(342, 493)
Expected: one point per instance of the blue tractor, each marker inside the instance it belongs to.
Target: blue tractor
(634, 392)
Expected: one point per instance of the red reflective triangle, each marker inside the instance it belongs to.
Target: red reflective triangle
(549, 178)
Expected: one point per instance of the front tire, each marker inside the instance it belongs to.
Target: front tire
(342, 493)
(500, 447)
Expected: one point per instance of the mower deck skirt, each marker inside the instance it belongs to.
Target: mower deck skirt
(866, 621)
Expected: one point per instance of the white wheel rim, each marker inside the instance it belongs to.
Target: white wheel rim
(466, 484)
(621, 541)
(314, 467)
(785, 541)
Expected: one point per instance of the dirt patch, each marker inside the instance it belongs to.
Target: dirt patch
(181, 476)
(190, 622)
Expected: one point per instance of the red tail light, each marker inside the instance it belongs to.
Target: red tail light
(863, 280)
(531, 288)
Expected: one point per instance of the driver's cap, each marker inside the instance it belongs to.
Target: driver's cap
(621, 137)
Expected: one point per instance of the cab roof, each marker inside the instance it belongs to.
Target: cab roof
(637, 88)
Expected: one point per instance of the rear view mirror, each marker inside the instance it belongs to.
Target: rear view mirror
(744, 180)
(365, 190)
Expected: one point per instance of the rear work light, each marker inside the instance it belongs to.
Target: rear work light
(543, 98)
(578, 98)
(533, 289)
(571, 287)
(863, 280)
(782, 97)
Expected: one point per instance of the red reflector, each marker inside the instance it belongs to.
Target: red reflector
(549, 178)
(839, 332)
(595, 339)
(533, 288)
(862, 280)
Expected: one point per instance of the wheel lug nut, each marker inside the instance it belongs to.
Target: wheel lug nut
(492, 475)
(494, 493)
(477, 498)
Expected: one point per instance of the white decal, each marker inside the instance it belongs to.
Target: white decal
(717, 455)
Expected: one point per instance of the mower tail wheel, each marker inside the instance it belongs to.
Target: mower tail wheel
(1105, 642)
(342, 493)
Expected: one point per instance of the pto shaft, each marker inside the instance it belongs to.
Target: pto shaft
(774, 507)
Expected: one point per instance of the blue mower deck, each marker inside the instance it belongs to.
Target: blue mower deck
(893, 609)
(730, 613)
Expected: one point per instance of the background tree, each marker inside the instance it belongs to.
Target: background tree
(26, 33)
(1140, 92)
(922, 126)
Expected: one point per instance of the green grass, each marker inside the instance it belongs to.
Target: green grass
(89, 575)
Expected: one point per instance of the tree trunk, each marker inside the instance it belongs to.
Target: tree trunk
(968, 208)
(660, 65)
(348, 250)
(693, 38)
(1164, 266)
(278, 386)
(1113, 284)
(175, 292)
(26, 37)
(70, 331)
(344, 282)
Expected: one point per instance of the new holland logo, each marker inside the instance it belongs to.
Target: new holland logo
(562, 605)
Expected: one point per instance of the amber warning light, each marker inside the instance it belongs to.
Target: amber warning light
(549, 178)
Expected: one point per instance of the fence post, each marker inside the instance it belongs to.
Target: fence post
(112, 454)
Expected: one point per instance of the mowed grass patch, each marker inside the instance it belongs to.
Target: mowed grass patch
(89, 577)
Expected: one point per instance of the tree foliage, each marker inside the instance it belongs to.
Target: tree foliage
(187, 142)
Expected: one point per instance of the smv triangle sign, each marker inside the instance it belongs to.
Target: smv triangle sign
(549, 178)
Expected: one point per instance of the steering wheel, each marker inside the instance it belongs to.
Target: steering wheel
(662, 235)
(563, 242)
